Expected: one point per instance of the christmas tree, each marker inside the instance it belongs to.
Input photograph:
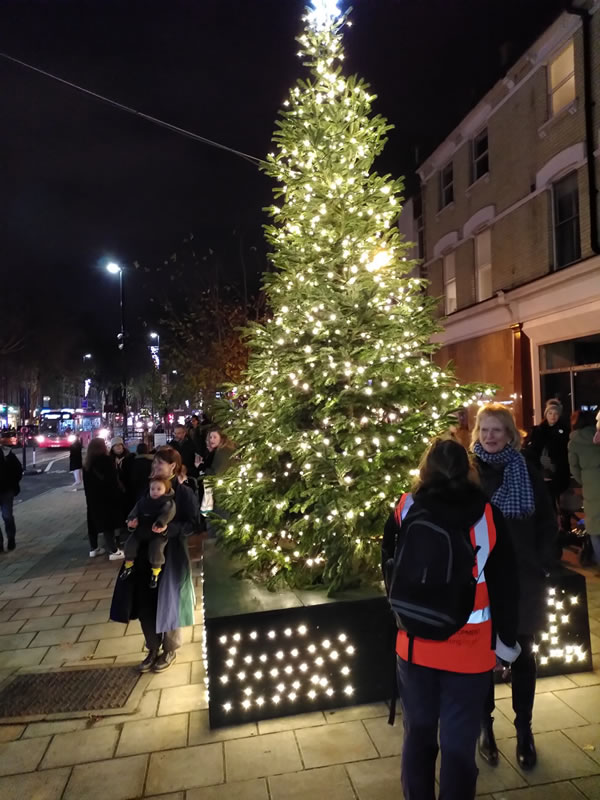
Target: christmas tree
(340, 395)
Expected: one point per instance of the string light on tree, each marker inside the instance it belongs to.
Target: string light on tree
(340, 395)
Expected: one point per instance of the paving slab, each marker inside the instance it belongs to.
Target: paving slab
(12, 626)
(62, 653)
(330, 782)
(335, 744)
(81, 747)
(105, 630)
(548, 709)
(357, 712)
(162, 733)
(589, 787)
(559, 759)
(8, 733)
(376, 780)
(182, 698)
(48, 785)
(200, 731)
(388, 739)
(27, 602)
(34, 613)
(309, 720)
(15, 641)
(499, 778)
(587, 738)
(260, 756)
(185, 768)
(56, 636)
(22, 658)
(124, 645)
(176, 675)
(35, 729)
(45, 623)
(57, 599)
(77, 608)
(556, 791)
(22, 756)
(118, 779)
(242, 790)
(87, 618)
(584, 700)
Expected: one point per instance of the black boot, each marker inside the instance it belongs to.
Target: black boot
(148, 662)
(11, 543)
(488, 749)
(526, 755)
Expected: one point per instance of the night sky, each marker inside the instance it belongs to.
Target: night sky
(81, 181)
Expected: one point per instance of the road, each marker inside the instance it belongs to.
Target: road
(55, 472)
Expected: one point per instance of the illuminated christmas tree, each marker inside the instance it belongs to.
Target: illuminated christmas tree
(340, 395)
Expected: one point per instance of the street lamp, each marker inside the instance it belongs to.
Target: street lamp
(116, 269)
(86, 381)
(155, 353)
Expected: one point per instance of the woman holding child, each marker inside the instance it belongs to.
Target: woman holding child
(164, 610)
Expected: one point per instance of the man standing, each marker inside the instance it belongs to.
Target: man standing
(186, 449)
(11, 473)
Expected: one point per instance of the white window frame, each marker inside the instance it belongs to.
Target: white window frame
(555, 223)
(444, 187)
(483, 267)
(552, 90)
(449, 275)
(476, 159)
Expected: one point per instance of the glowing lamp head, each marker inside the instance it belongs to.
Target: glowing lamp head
(113, 268)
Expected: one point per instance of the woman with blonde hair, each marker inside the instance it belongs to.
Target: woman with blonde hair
(517, 488)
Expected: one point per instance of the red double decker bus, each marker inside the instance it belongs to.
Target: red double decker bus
(59, 426)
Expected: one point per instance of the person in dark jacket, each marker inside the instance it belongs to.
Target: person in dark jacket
(197, 433)
(444, 683)
(584, 459)
(186, 449)
(548, 445)
(516, 486)
(140, 470)
(104, 498)
(163, 613)
(11, 473)
(76, 461)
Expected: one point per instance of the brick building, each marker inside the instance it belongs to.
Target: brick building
(510, 211)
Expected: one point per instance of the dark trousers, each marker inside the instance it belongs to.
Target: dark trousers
(6, 503)
(454, 700)
(156, 546)
(170, 640)
(523, 684)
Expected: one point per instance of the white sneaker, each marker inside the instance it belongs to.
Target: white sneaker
(116, 556)
(99, 551)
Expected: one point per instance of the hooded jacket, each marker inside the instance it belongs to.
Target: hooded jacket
(584, 459)
(461, 509)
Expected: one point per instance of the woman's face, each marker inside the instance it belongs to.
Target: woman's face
(493, 435)
(214, 439)
(118, 449)
(195, 422)
(162, 469)
(552, 416)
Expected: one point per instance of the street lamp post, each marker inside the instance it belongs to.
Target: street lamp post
(155, 352)
(86, 357)
(115, 269)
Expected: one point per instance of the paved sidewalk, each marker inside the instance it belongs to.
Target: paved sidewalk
(54, 611)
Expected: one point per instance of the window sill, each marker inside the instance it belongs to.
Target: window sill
(569, 110)
(443, 210)
(484, 179)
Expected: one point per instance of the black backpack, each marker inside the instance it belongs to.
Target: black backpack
(430, 581)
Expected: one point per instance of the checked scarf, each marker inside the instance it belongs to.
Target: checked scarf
(514, 497)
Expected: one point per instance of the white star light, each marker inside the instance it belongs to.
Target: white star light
(323, 12)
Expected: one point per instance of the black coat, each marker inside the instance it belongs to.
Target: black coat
(187, 451)
(554, 440)
(534, 541)
(124, 468)
(76, 455)
(104, 496)
(462, 509)
(11, 473)
(141, 468)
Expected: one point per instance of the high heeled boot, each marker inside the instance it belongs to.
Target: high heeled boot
(488, 749)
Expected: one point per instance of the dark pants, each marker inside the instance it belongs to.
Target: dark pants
(156, 546)
(455, 700)
(145, 606)
(6, 503)
(523, 684)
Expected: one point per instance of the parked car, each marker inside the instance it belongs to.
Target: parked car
(8, 436)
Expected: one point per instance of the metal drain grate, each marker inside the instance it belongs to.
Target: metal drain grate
(71, 690)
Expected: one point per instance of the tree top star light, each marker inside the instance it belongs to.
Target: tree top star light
(341, 395)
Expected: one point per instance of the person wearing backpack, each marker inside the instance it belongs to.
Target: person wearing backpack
(450, 573)
(516, 485)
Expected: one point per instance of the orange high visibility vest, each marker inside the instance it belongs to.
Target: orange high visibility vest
(470, 648)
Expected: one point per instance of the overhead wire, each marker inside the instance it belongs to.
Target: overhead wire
(128, 109)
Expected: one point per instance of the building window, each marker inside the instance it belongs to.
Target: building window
(561, 79)
(420, 226)
(479, 156)
(567, 246)
(446, 186)
(483, 265)
(449, 283)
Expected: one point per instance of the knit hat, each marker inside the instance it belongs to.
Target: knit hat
(117, 440)
(553, 405)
